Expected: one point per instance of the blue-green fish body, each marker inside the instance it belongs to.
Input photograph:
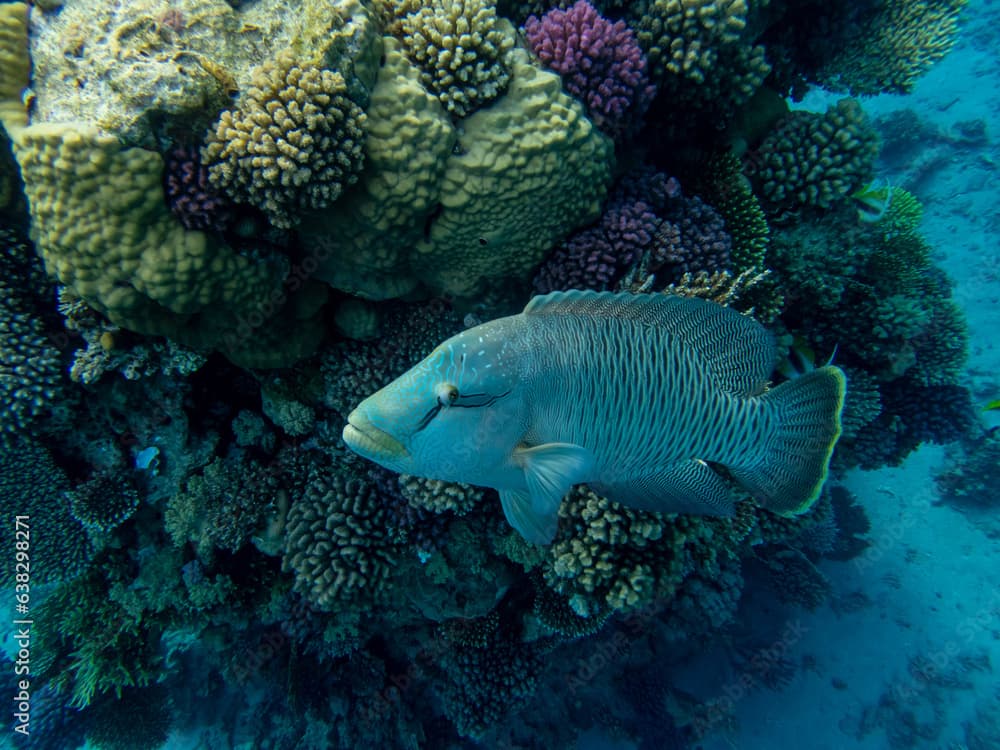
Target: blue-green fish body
(643, 397)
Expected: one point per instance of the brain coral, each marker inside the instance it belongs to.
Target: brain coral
(460, 49)
(599, 61)
(488, 203)
(362, 245)
(101, 225)
(338, 542)
(816, 160)
(293, 143)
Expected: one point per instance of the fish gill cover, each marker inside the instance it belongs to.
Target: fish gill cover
(224, 225)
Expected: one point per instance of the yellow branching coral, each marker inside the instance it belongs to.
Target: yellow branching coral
(609, 557)
(898, 43)
(683, 37)
(459, 48)
(816, 160)
(293, 143)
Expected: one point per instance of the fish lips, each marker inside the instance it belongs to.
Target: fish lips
(367, 440)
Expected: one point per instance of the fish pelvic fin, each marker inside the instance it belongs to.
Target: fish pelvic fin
(550, 470)
(789, 473)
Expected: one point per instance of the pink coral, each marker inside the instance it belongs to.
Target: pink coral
(600, 63)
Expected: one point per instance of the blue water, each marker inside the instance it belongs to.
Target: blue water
(213, 568)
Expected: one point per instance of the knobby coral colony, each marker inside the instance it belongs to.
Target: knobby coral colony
(224, 181)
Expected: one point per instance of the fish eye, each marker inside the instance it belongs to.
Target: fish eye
(447, 394)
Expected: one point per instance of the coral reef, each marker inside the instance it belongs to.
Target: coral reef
(293, 144)
(599, 61)
(32, 485)
(460, 49)
(816, 160)
(325, 190)
(338, 543)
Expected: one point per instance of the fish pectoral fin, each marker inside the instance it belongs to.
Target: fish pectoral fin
(682, 487)
(551, 469)
(537, 528)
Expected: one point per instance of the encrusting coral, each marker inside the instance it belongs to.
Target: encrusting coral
(101, 226)
(524, 172)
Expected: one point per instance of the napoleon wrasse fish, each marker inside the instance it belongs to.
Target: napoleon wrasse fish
(657, 402)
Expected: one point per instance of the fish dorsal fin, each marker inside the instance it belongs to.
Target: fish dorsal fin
(738, 351)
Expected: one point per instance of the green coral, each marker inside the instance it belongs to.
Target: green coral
(230, 503)
(459, 47)
(90, 646)
(339, 543)
(813, 159)
(293, 143)
(724, 187)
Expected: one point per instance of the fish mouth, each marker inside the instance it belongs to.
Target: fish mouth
(365, 438)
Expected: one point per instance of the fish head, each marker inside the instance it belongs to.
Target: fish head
(455, 416)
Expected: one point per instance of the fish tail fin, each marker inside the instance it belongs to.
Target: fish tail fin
(789, 474)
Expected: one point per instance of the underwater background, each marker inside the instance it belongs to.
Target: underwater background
(224, 224)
